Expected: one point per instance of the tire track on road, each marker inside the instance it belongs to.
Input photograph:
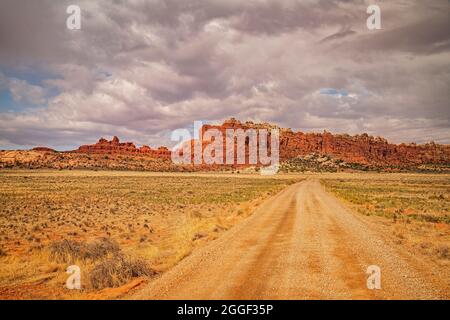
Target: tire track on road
(301, 244)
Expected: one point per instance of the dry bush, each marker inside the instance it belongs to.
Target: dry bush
(443, 252)
(142, 213)
(100, 249)
(70, 251)
(65, 250)
(118, 271)
(113, 268)
(2, 252)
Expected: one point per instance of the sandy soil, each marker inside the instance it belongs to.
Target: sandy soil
(301, 244)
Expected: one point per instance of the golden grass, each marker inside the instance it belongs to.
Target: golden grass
(415, 207)
(157, 219)
(51, 219)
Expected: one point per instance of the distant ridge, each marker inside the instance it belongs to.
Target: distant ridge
(362, 149)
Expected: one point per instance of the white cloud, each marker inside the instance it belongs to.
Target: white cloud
(24, 92)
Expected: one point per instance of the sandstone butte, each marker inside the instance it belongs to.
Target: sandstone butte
(116, 147)
(359, 149)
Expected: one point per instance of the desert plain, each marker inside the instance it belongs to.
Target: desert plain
(143, 235)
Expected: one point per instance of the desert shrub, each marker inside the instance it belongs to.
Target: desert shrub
(117, 271)
(2, 252)
(113, 268)
(443, 252)
(100, 249)
(70, 251)
(65, 250)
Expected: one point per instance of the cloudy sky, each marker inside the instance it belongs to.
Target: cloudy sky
(139, 69)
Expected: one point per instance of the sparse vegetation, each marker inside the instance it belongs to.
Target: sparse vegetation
(107, 266)
(414, 197)
(415, 206)
(117, 271)
(115, 225)
(443, 252)
(70, 251)
(319, 163)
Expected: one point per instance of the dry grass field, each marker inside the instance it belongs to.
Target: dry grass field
(125, 229)
(120, 228)
(415, 208)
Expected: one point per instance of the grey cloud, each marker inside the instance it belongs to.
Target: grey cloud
(142, 68)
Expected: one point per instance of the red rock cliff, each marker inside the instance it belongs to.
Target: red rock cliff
(362, 149)
(116, 147)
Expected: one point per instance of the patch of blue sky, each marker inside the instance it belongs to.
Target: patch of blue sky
(334, 92)
(8, 104)
(32, 77)
(35, 76)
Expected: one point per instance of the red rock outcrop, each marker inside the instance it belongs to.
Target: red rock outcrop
(114, 146)
(43, 149)
(360, 149)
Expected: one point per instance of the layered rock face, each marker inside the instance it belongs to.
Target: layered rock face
(360, 149)
(114, 146)
(296, 148)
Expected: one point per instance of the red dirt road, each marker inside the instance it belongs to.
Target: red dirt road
(301, 244)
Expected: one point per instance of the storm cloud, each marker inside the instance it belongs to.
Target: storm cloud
(139, 69)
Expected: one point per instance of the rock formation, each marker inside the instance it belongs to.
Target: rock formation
(297, 149)
(360, 149)
(114, 146)
(43, 149)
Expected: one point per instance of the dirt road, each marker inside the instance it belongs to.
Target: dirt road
(301, 244)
